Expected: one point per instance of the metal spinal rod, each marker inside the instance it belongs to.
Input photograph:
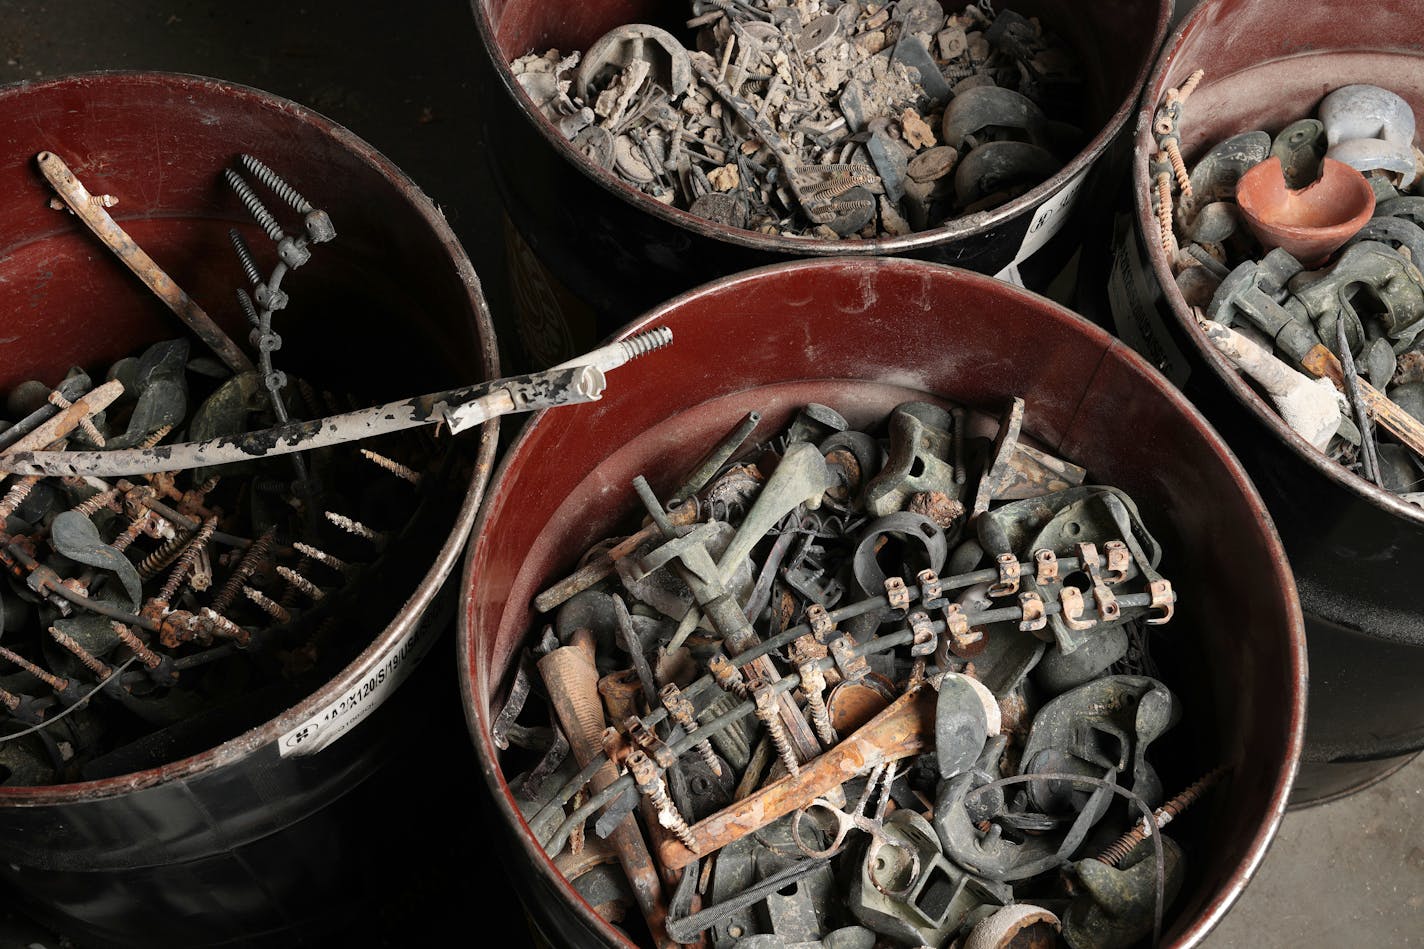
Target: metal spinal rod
(580, 380)
(82, 203)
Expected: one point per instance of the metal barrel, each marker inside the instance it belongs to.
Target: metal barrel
(251, 841)
(864, 335)
(585, 251)
(1353, 546)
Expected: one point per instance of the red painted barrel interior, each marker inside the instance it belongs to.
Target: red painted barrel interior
(862, 336)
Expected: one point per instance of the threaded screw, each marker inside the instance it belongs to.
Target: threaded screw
(95, 502)
(85, 657)
(252, 558)
(224, 628)
(16, 495)
(355, 527)
(300, 582)
(58, 683)
(249, 262)
(268, 605)
(813, 682)
(129, 534)
(651, 785)
(86, 424)
(150, 566)
(727, 676)
(679, 707)
(154, 437)
(254, 206)
(322, 557)
(149, 658)
(1120, 848)
(278, 185)
(187, 558)
(769, 712)
(390, 464)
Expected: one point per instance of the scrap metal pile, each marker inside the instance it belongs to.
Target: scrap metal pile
(847, 689)
(821, 118)
(1301, 253)
(147, 618)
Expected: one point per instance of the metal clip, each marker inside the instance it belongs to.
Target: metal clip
(963, 641)
(1009, 572)
(1119, 561)
(897, 595)
(851, 666)
(1162, 599)
(1034, 616)
(1071, 600)
(931, 590)
(1108, 608)
(649, 743)
(1088, 562)
(925, 638)
(822, 626)
(1047, 570)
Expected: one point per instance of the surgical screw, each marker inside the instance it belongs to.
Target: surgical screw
(89, 661)
(55, 682)
(249, 267)
(150, 659)
(651, 785)
(390, 464)
(355, 527)
(187, 558)
(727, 676)
(300, 582)
(268, 605)
(86, 423)
(149, 567)
(252, 558)
(16, 495)
(1120, 848)
(769, 713)
(680, 708)
(224, 628)
(322, 557)
(254, 206)
(95, 502)
(274, 181)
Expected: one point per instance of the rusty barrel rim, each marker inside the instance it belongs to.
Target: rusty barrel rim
(422, 596)
(475, 681)
(1144, 146)
(957, 229)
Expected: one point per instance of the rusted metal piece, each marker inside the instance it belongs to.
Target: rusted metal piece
(1163, 599)
(603, 565)
(905, 728)
(1322, 363)
(1045, 566)
(768, 710)
(1034, 617)
(1114, 853)
(572, 683)
(1009, 573)
(253, 558)
(1070, 601)
(680, 709)
(81, 202)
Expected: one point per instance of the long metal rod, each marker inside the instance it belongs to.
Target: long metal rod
(92, 213)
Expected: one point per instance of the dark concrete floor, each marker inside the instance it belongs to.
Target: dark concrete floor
(1348, 873)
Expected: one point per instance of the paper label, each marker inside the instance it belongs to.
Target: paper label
(1133, 295)
(380, 678)
(1047, 220)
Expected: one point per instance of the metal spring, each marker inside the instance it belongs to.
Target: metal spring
(244, 254)
(254, 206)
(274, 181)
(252, 558)
(1120, 848)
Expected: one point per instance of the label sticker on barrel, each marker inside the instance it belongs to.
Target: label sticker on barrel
(1046, 221)
(1133, 295)
(380, 678)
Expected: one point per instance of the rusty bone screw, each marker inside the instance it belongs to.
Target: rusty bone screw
(679, 707)
(728, 677)
(58, 683)
(91, 662)
(770, 714)
(268, 605)
(57, 399)
(652, 786)
(252, 559)
(1120, 848)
